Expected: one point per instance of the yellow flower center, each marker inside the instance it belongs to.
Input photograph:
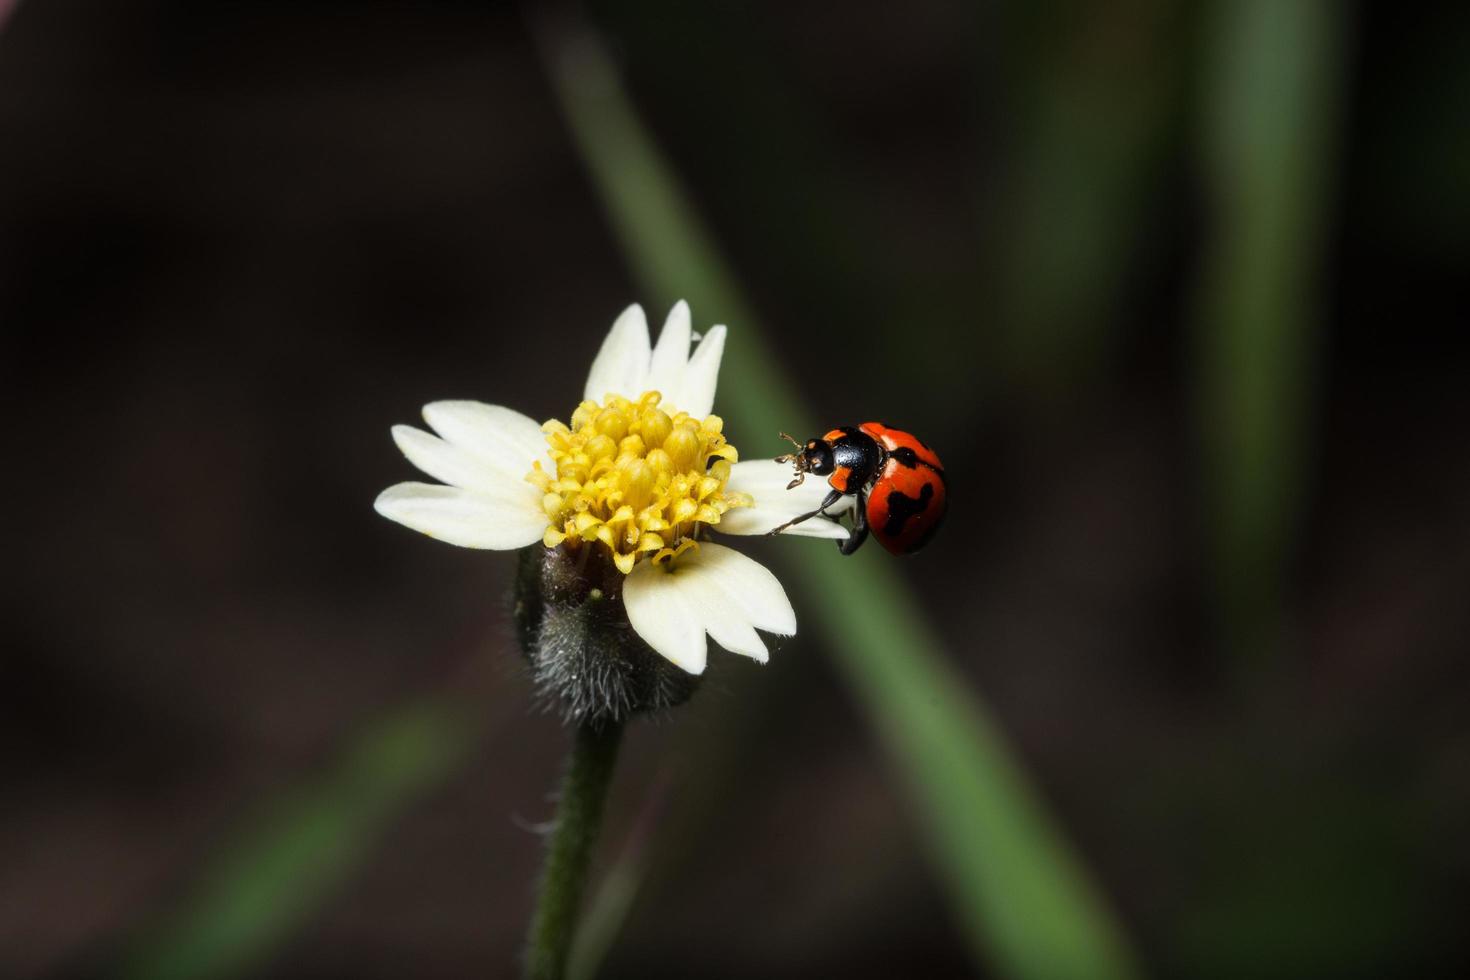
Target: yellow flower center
(635, 476)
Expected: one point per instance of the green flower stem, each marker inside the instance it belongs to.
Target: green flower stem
(564, 877)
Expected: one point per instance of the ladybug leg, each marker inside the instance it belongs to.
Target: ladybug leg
(827, 501)
(859, 532)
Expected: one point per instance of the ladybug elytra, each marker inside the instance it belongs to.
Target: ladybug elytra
(898, 483)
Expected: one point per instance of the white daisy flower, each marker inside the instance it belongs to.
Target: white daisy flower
(640, 475)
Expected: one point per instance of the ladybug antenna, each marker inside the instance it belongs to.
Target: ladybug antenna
(789, 457)
(799, 458)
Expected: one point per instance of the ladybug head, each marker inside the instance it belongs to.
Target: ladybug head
(813, 457)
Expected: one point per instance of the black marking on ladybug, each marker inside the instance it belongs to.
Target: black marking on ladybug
(925, 539)
(901, 507)
(904, 456)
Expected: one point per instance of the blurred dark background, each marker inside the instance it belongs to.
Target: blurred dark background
(239, 241)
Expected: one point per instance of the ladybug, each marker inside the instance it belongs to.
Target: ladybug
(898, 483)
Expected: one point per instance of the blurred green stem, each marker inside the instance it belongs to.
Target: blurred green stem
(1271, 112)
(287, 860)
(564, 878)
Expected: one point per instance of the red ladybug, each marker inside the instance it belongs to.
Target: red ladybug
(897, 480)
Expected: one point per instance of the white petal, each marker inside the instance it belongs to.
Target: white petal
(759, 520)
(659, 613)
(697, 396)
(765, 480)
(671, 356)
(458, 467)
(713, 589)
(468, 518)
(621, 366)
(724, 617)
(747, 585)
(498, 436)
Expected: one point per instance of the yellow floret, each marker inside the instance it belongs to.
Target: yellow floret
(639, 478)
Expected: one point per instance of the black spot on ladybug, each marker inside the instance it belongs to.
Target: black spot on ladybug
(924, 539)
(901, 507)
(904, 456)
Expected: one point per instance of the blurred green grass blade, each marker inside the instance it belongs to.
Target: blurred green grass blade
(1022, 900)
(1270, 118)
(280, 871)
(604, 918)
(605, 915)
(1079, 197)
